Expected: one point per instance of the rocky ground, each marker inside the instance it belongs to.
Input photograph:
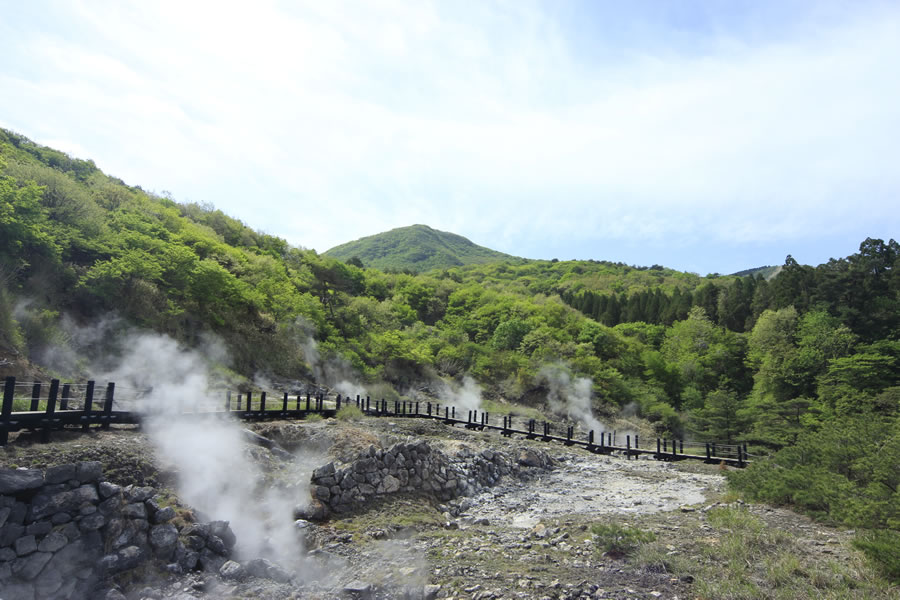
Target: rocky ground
(527, 537)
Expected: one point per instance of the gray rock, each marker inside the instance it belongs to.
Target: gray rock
(18, 591)
(45, 505)
(60, 518)
(359, 589)
(222, 530)
(139, 494)
(232, 570)
(163, 539)
(266, 569)
(430, 592)
(28, 567)
(189, 561)
(108, 490)
(7, 554)
(114, 595)
(324, 471)
(39, 528)
(14, 481)
(216, 544)
(26, 545)
(126, 558)
(92, 522)
(200, 530)
(209, 561)
(90, 471)
(164, 515)
(391, 484)
(9, 533)
(47, 583)
(135, 510)
(110, 505)
(60, 473)
(73, 558)
(53, 542)
(17, 513)
(4, 514)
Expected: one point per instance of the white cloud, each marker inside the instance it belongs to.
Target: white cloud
(329, 121)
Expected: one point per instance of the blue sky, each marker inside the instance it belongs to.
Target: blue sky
(704, 136)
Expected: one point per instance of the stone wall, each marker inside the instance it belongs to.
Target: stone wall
(65, 530)
(413, 468)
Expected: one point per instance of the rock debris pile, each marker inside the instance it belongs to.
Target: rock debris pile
(413, 468)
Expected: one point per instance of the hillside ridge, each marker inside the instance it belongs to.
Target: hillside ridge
(417, 248)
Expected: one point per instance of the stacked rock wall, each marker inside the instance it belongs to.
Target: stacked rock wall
(64, 530)
(415, 468)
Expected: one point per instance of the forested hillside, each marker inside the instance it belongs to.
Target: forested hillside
(805, 366)
(415, 249)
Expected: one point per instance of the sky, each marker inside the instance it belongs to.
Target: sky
(706, 136)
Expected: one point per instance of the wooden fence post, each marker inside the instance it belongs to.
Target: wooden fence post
(51, 410)
(9, 392)
(35, 396)
(284, 404)
(108, 404)
(228, 401)
(64, 403)
(88, 402)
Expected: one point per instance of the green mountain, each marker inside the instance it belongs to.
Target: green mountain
(417, 248)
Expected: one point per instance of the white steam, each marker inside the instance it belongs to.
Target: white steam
(465, 397)
(215, 475)
(572, 396)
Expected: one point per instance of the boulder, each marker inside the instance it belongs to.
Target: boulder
(15, 481)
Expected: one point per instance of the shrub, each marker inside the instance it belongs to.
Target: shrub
(617, 540)
(349, 412)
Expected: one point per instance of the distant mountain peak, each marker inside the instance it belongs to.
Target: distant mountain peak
(417, 248)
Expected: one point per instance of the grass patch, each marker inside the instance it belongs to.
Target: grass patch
(313, 417)
(495, 407)
(882, 547)
(751, 561)
(390, 515)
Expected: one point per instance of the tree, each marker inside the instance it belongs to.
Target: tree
(722, 417)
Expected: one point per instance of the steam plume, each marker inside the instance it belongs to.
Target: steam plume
(573, 396)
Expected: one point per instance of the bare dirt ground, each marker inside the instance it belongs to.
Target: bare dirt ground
(529, 539)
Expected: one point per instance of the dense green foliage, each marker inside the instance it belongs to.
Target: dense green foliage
(805, 366)
(415, 249)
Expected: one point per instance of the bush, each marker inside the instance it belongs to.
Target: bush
(617, 540)
(349, 412)
(883, 548)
